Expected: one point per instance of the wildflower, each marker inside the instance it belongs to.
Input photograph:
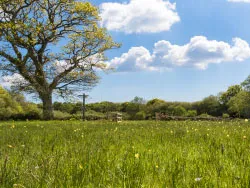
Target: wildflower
(23, 146)
(244, 137)
(137, 155)
(228, 135)
(246, 120)
(13, 126)
(80, 166)
(197, 179)
(10, 146)
(156, 166)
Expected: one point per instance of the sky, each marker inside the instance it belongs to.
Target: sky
(174, 50)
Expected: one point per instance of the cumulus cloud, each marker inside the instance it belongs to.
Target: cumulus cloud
(239, 1)
(139, 16)
(15, 79)
(199, 53)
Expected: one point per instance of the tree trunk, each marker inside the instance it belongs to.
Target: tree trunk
(47, 106)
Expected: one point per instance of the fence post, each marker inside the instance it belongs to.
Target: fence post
(118, 117)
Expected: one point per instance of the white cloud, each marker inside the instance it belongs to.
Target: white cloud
(199, 53)
(139, 16)
(15, 79)
(239, 1)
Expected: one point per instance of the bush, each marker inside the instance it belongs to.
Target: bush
(205, 116)
(58, 115)
(93, 115)
(191, 113)
(226, 115)
(9, 108)
(179, 111)
(140, 115)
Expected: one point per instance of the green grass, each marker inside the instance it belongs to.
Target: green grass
(129, 154)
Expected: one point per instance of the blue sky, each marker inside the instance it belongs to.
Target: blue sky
(208, 64)
(176, 50)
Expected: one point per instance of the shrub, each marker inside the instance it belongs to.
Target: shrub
(225, 115)
(205, 115)
(58, 115)
(191, 113)
(140, 115)
(93, 115)
(179, 111)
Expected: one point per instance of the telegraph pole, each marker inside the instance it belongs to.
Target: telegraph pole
(84, 96)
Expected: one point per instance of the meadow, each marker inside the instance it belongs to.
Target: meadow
(128, 154)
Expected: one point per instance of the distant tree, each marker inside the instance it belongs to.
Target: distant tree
(239, 104)
(155, 102)
(51, 46)
(210, 105)
(231, 92)
(179, 111)
(246, 84)
(139, 100)
(191, 113)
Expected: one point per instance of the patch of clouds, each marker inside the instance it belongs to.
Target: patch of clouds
(139, 16)
(198, 53)
(11, 80)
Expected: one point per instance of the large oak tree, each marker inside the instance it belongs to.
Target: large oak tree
(53, 45)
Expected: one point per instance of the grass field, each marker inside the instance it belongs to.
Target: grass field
(128, 154)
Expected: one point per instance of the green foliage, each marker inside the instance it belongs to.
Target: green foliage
(8, 108)
(231, 92)
(205, 115)
(92, 115)
(58, 115)
(225, 115)
(104, 107)
(246, 84)
(138, 100)
(239, 104)
(179, 111)
(140, 115)
(191, 113)
(210, 105)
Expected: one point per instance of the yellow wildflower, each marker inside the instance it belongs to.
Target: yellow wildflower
(80, 166)
(137, 155)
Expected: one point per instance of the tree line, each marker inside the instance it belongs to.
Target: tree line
(235, 103)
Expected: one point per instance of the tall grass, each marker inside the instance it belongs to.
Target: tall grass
(129, 154)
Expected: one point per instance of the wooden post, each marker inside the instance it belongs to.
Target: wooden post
(118, 117)
(83, 105)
